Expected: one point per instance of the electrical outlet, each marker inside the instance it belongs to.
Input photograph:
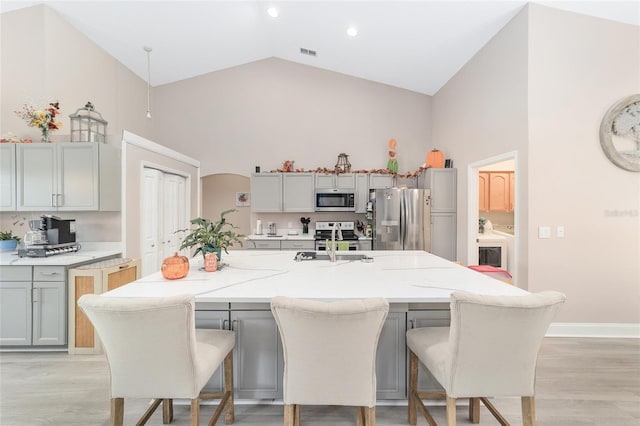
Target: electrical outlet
(560, 231)
(544, 232)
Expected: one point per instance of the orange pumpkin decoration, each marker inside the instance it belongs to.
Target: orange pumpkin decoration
(175, 267)
(435, 159)
(392, 144)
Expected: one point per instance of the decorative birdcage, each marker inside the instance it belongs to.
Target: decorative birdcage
(343, 165)
(87, 125)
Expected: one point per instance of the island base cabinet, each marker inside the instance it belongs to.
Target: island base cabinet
(213, 320)
(258, 360)
(427, 318)
(391, 358)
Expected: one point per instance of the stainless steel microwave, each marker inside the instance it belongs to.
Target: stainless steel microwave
(335, 200)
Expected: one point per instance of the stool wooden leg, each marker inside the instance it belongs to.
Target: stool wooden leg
(451, 411)
(413, 388)
(167, 411)
(117, 412)
(370, 416)
(474, 410)
(528, 411)
(296, 415)
(229, 408)
(195, 412)
(289, 415)
(360, 416)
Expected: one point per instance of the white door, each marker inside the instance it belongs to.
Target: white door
(164, 211)
(150, 219)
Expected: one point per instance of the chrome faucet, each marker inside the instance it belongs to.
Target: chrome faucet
(331, 249)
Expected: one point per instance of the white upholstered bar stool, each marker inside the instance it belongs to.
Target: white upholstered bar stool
(330, 354)
(154, 351)
(490, 350)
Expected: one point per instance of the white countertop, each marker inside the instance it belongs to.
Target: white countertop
(82, 256)
(491, 238)
(256, 276)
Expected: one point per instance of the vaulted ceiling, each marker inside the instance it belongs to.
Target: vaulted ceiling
(415, 45)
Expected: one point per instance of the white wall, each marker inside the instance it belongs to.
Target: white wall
(265, 112)
(579, 66)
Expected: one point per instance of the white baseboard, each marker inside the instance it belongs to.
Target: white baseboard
(605, 330)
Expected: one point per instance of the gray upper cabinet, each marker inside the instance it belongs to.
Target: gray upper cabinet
(362, 192)
(335, 180)
(298, 192)
(266, 192)
(380, 181)
(8, 177)
(443, 186)
(67, 176)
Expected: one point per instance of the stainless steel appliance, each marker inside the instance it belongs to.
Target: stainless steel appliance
(324, 232)
(335, 200)
(271, 229)
(402, 219)
(51, 235)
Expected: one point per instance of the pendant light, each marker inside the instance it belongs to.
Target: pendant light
(148, 50)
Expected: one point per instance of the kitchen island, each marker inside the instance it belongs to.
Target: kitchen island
(417, 285)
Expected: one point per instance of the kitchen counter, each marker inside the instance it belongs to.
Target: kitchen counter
(257, 276)
(491, 238)
(70, 259)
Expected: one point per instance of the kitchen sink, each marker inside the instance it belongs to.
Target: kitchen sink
(349, 256)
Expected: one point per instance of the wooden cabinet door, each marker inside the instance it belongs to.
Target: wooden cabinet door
(499, 191)
(483, 191)
(512, 191)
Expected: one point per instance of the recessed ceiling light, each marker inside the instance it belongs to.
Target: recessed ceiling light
(273, 12)
(352, 31)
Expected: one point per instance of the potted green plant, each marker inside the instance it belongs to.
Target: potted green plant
(8, 241)
(211, 237)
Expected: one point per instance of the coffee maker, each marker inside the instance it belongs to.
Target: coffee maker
(48, 236)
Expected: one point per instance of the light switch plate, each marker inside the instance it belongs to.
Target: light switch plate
(544, 232)
(560, 231)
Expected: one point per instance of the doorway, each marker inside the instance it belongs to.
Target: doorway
(493, 196)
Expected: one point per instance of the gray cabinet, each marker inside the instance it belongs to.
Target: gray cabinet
(217, 320)
(67, 176)
(362, 192)
(33, 304)
(298, 192)
(7, 177)
(263, 244)
(443, 186)
(258, 361)
(266, 192)
(297, 245)
(427, 318)
(365, 245)
(335, 180)
(380, 181)
(391, 378)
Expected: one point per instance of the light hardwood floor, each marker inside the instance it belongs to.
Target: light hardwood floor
(579, 382)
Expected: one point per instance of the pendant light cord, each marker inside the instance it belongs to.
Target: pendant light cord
(148, 50)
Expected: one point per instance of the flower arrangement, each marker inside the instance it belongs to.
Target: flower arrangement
(44, 119)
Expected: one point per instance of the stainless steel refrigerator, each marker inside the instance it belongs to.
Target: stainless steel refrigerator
(402, 219)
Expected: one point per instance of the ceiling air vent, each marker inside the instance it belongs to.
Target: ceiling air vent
(307, 51)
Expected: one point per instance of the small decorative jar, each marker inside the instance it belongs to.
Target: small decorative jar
(210, 262)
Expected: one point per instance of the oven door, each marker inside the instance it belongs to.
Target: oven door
(321, 245)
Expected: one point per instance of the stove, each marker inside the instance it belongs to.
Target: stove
(323, 233)
(46, 250)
